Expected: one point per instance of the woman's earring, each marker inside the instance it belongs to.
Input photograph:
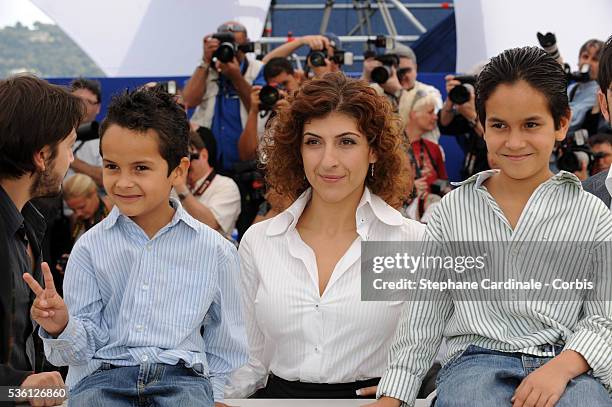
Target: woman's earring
(372, 170)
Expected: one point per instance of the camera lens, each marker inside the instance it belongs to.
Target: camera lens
(317, 58)
(225, 52)
(381, 74)
(268, 96)
(459, 94)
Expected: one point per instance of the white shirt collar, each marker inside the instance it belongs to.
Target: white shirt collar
(370, 207)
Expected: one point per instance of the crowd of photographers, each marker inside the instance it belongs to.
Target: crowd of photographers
(234, 93)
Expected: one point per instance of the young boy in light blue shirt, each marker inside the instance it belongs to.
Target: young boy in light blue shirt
(152, 311)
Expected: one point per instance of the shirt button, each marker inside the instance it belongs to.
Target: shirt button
(316, 349)
(145, 287)
(317, 307)
(139, 328)
(144, 358)
(148, 246)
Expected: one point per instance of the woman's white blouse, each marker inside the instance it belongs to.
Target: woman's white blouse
(298, 334)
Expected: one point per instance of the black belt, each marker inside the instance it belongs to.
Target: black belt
(279, 388)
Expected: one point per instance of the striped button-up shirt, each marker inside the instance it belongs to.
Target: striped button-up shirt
(135, 300)
(558, 210)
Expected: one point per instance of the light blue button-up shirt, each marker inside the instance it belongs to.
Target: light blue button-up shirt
(135, 300)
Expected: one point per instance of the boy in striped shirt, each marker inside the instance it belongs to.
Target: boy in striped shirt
(517, 353)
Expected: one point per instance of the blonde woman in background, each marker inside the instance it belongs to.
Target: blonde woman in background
(80, 193)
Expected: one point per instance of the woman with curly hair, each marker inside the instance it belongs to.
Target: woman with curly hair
(337, 151)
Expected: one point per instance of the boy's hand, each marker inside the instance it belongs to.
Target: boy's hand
(48, 309)
(542, 388)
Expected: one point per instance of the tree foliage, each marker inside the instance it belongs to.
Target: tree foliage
(44, 50)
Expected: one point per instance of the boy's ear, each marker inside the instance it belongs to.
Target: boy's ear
(179, 174)
(564, 123)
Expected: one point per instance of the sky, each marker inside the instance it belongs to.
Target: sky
(12, 11)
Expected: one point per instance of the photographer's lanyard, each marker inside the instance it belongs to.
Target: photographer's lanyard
(420, 165)
(205, 184)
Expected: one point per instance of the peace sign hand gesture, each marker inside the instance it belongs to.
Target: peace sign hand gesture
(48, 309)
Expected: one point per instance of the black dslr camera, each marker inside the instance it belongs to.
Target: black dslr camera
(461, 93)
(381, 74)
(268, 96)
(548, 42)
(88, 131)
(341, 57)
(228, 48)
(570, 149)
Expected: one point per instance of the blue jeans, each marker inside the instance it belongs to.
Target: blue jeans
(149, 384)
(483, 378)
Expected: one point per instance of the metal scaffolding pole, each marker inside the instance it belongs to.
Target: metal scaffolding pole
(347, 39)
(387, 19)
(329, 5)
(314, 6)
(402, 9)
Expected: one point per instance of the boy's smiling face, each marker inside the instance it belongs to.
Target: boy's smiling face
(520, 131)
(135, 175)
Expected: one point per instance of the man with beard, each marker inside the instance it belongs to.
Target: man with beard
(37, 132)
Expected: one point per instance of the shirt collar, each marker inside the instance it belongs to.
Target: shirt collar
(370, 204)
(180, 214)
(14, 219)
(479, 179)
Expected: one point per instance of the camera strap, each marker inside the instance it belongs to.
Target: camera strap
(204, 186)
(421, 164)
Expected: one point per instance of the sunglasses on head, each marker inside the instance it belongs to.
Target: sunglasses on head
(235, 28)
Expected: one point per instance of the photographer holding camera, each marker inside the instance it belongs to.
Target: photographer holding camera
(281, 80)
(220, 87)
(211, 198)
(87, 159)
(325, 54)
(458, 117)
(394, 75)
(583, 93)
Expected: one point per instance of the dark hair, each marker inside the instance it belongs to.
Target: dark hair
(600, 138)
(604, 76)
(591, 43)
(151, 108)
(33, 114)
(90, 84)
(276, 66)
(532, 65)
(374, 115)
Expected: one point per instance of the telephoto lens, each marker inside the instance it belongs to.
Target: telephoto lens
(227, 49)
(381, 74)
(316, 58)
(461, 93)
(268, 96)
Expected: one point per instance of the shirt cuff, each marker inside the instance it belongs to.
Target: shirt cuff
(64, 340)
(596, 351)
(218, 385)
(399, 384)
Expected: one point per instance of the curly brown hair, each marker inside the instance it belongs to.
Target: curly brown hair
(334, 92)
